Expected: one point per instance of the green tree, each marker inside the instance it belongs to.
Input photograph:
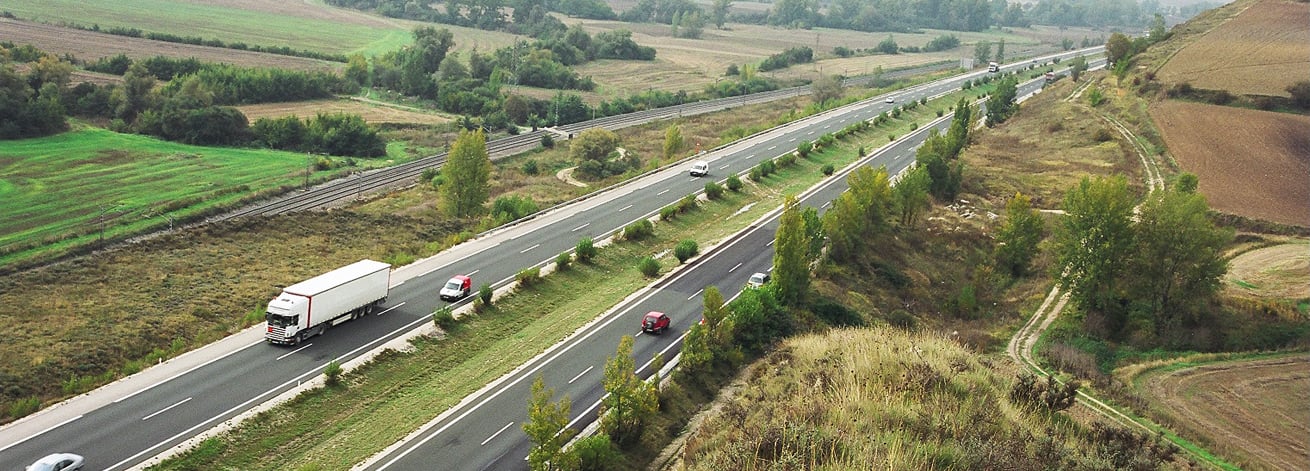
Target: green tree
(790, 263)
(719, 12)
(859, 213)
(673, 142)
(1003, 104)
(546, 430)
(1186, 183)
(1178, 259)
(1092, 240)
(1300, 92)
(1158, 32)
(826, 87)
(982, 52)
(468, 175)
(911, 193)
(136, 93)
(1118, 47)
(1017, 239)
(593, 144)
(813, 232)
(1076, 67)
(628, 400)
(1000, 51)
(357, 69)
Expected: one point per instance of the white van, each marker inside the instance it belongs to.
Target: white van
(700, 168)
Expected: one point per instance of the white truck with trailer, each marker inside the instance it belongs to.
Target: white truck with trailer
(308, 308)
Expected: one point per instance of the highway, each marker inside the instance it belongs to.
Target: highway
(130, 428)
(486, 433)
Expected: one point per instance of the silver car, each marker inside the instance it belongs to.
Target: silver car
(57, 462)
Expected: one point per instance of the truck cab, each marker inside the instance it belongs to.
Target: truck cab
(457, 288)
(993, 67)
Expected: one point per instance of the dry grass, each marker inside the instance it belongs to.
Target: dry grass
(371, 111)
(1252, 411)
(1250, 163)
(1260, 51)
(1278, 272)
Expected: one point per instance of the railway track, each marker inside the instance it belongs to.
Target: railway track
(343, 189)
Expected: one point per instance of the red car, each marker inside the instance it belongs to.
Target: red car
(655, 322)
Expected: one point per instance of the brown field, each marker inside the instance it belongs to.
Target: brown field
(90, 46)
(1251, 163)
(1260, 51)
(373, 112)
(1278, 272)
(1254, 412)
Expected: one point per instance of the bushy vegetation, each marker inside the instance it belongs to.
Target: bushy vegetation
(787, 58)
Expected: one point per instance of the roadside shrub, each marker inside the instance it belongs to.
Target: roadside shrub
(828, 169)
(333, 373)
(861, 152)
(23, 407)
(667, 212)
(444, 317)
(713, 190)
(914, 126)
(939, 113)
(734, 183)
(428, 174)
(785, 160)
(528, 277)
(803, 150)
(826, 140)
(1053, 396)
(597, 453)
(1102, 135)
(586, 250)
(547, 141)
(530, 167)
(484, 293)
(767, 167)
(562, 261)
(638, 230)
(649, 267)
(755, 174)
(686, 250)
(902, 319)
(687, 203)
(891, 137)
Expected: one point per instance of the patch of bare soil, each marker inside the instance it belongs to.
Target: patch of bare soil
(1254, 412)
(1278, 272)
(1250, 163)
(91, 46)
(371, 111)
(1260, 51)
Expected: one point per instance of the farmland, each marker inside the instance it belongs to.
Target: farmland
(1260, 51)
(1251, 163)
(372, 112)
(1253, 411)
(61, 190)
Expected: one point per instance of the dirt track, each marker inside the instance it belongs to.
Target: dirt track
(1254, 412)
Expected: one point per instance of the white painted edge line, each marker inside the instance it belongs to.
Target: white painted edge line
(384, 311)
(170, 378)
(498, 432)
(697, 293)
(37, 434)
(575, 378)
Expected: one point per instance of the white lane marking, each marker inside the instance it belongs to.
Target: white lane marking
(825, 205)
(752, 156)
(625, 207)
(498, 432)
(529, 248)
(734, 268)
(666, 190)
(161, 411)
(170, 378)
(575, 378)
(52, 427)
(770, 243)
(576, 229)
(774, 147)
(384, 311)
(791, 140)
(474, 272)
(725, 166)
(695, 294)
(810, 133)
(287, 354)
(296, 380)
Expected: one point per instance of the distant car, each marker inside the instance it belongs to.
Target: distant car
(457, 288)
(700, 168)
(757, 280)
(655, 322)
(57, 462)
(890, 99)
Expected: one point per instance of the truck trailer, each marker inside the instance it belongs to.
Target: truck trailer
(308, 308)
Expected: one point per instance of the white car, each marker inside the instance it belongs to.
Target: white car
(757, 280)
(57, 462)
(890, 99)
(700, 168)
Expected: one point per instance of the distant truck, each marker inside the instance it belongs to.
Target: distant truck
(1050, 77)
(308, 308)
(993, 67)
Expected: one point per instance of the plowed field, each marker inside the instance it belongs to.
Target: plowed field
(89, 46)
(371, 112)
(1251, 163)
(1253, 411)
(1261, 51)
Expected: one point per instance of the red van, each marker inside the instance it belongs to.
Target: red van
(457, 288)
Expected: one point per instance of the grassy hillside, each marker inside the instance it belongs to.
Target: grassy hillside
(883, 398)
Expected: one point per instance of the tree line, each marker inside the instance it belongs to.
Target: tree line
(959, 15)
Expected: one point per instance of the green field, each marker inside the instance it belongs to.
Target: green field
(54, 190)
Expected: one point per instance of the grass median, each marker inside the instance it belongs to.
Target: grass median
(381, 402)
